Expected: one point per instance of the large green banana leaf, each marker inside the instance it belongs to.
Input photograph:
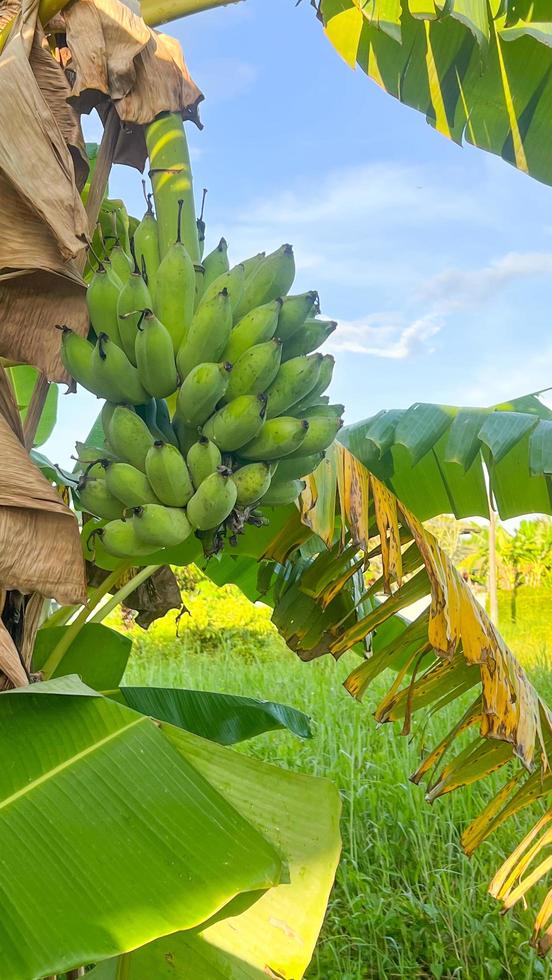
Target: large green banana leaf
(479, 70)
(97, 654)
(135, 843)
(223, 718)
(435, 457)
(274, 937)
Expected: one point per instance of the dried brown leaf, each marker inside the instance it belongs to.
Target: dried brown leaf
(10, 663)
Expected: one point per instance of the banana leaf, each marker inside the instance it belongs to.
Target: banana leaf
(98, 654)
(479, 71)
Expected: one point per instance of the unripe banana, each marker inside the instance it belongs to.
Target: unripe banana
(251, 264)
(272, 278)
(96, 470)
(155, 356)
(295, 379)
(114, 377)
(95, 498)
(128, 484)
(294, 312)
(252, 482)
(278, 437)
(101, 298)
(324, 378)
(236, 423)
(215, 264)
(133, 298)
(295, 469)
(310, 337)
(203, 459)
(146, 246)
(213, 500)
(119, 539)
(76, 356)
(160, 527)
(282, 493)
(232, 281)
(208, 334)
(114, 221)
(255, 370)
(255, 327)
(321, 434)
(106, 415)
(174, 294)
(200, 392)
(168, 474)
(121, 264)
(323, 410)
(163, 422)
(186, 435)
(130, 437)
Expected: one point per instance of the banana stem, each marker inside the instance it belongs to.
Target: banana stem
(123, 592)
(60, 616)
(171, 178)
(72, 631)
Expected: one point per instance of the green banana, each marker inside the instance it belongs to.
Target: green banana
(232, 281)
(310, 337)
(148, 413)
(96, 498)
(160, 527)
(251, 264)
(101, 298)
(203, 458)
(133, 298)
(208, 334)
(294, 312)
(155, 356)
(286, 492)
(255, 327)
(128, 484)
(168, 474)
(252, 482)
(213, 500)
(121, 264)
(295, 469)
(236, 423)
(95, 470)
(186, 435)
(119, 539)
(76, 357)
(295, 379)
(146, 246)
(174, 294)
(199, 393)
(315, 395)
(106, 415)
(278, 437)
(114, 221)
(200, 225)
(114, 377)
(322, 432)
(130, 437)
(163, 422)
(255, 370)
(215, 264)
(323, 410)
(272, 278)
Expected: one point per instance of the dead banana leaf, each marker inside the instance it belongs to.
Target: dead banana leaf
(43, 225)
(10, 663)
(451, 648)
(39, 540)
(112, 57)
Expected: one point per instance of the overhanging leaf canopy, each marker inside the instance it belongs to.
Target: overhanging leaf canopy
(436, 458)
(479, 71)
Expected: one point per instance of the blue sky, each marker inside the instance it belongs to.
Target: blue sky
(436, 260)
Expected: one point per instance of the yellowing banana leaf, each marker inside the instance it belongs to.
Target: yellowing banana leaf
(223, 718)
(479, 71)
(136, 843)
(435, 457)
(275, 936)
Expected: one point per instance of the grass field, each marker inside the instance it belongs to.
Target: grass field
(407, 903)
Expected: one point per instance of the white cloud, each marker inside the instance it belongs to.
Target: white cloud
(462, 289)
(384, 336)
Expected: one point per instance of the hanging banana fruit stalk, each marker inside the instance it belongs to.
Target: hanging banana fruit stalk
(226, 346)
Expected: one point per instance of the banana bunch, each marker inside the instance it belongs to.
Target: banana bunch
(214, 389)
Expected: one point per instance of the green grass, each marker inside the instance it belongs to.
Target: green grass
(407, 903)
